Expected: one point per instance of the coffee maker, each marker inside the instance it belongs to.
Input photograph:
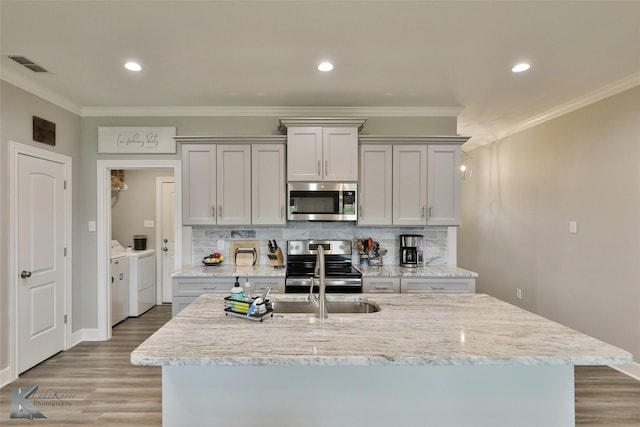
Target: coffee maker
(409, 250)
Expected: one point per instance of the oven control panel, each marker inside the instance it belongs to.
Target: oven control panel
(310, 247)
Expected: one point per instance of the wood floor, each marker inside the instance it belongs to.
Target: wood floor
(94, 384)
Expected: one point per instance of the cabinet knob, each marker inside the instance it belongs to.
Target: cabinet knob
(25, 274)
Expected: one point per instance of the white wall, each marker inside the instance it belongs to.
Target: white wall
(17, 109)
(525, 189)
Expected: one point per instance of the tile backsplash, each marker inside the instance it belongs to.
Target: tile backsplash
(205, 239)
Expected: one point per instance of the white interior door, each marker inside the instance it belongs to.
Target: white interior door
(167, 193)
(41, 265)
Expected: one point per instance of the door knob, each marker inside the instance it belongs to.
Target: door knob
(165, 249)
(25, 274)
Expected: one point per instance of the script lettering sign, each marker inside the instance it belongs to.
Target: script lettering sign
(138, 140)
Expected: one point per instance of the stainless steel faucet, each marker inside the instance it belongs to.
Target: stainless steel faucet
(321, 300)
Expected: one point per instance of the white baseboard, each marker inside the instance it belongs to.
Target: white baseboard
(91, 335)
(5, 376)
(632, 370)
(76, 338)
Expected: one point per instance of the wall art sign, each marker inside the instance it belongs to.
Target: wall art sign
(44, 131)
(137, 140)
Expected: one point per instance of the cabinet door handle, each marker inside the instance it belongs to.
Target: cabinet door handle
(213, 208)
(319, 172)
(422, 212)
(430, 211)
(361, 210)
(437, 288)
(282, 211)
(220, 211)
(326, 167)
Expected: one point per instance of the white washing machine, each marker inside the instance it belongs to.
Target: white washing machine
(142, 278)
(119, 287)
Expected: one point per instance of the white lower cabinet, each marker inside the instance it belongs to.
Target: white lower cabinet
(381, 285)
(418, 285)
(187, 289)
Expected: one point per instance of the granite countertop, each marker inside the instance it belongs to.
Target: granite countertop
(228, 270)
(422, 271)
(423, 329)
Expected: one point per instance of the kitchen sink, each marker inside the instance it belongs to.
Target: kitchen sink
(337, 307)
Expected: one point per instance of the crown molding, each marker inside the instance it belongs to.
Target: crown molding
(413, 139)
(575, 104)
(236, 139)
(270, 111)
(606, 91)
(29, 85)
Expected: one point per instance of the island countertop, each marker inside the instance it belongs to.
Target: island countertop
(228, 270)
(427, 329)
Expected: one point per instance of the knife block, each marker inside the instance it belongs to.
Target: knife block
(275, 258)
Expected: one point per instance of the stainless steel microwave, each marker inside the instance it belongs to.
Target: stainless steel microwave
(322, 201)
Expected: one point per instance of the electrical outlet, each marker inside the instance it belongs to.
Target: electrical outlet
(518, 293)
(220, 245)
(92, 226)
(149, 223)
(573, 227)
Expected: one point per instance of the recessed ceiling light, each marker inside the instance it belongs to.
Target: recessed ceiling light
(325, 66)
(521, 67)
(132, 66)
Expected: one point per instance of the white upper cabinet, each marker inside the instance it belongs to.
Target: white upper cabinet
(375, 189)
(268, 189)
(233, 177)
(410, 184)
(199, 184)
(322, 149)
(340, 154)
(423, 172)
(304, 154)
(233, 180)
(443, 181)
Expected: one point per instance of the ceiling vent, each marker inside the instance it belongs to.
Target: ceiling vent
(23, 60)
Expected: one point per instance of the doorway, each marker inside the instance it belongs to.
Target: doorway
(104, 168)
(165, 238)
(40, 256)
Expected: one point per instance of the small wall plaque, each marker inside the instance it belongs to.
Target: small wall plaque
(136, 140)
(44, 131)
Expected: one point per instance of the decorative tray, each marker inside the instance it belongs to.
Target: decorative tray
(241, 308)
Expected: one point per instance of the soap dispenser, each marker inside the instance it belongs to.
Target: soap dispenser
(247, 290)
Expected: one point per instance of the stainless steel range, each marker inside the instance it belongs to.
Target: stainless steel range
(340, 275)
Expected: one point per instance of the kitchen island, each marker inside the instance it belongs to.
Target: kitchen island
(442, 360)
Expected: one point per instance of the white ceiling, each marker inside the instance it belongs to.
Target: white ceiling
(393, 57)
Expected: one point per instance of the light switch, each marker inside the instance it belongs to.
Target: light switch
(220, 245)
(92, 226)
(573, 227)
(149, 223)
